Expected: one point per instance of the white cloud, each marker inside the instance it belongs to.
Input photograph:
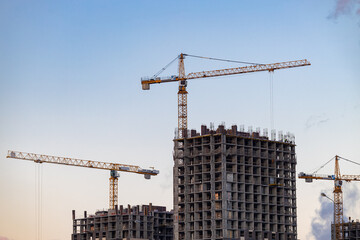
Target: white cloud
(316, 120)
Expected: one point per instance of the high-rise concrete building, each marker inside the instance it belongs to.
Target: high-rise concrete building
(231, 184)
(145, 222)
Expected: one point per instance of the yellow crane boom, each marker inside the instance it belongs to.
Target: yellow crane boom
(113, 167)
(182, 79)
(338, 196)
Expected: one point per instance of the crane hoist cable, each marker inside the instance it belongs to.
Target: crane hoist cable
(271, 88)
(38, 201)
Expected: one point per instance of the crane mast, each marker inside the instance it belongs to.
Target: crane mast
(182, 79)
(113, 167)
(338, 195)
(338, 202)
(182, 99)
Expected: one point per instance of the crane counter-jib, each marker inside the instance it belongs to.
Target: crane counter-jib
(41, 158)
(316, 176)
(347, 178)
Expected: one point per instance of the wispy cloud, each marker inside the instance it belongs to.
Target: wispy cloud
(316, 120)
(345, 7)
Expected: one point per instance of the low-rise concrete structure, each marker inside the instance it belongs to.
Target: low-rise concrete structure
(138, 222)
(351, 230)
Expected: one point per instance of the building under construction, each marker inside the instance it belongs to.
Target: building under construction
(351, 230)
(231, 184)
(138, 222)
(228, 184)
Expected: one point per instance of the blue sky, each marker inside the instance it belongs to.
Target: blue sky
(70, 86)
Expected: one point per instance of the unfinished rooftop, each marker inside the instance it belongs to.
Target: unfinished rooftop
(241, 132)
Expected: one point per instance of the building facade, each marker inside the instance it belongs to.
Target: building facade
(231, 184)
(351, 230)
(138, 222)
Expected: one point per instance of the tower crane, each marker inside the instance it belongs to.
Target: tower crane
(182, 79)
(114, 168)
(338, 196)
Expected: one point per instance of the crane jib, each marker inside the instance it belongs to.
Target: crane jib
(41, 158)
(223, 72)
